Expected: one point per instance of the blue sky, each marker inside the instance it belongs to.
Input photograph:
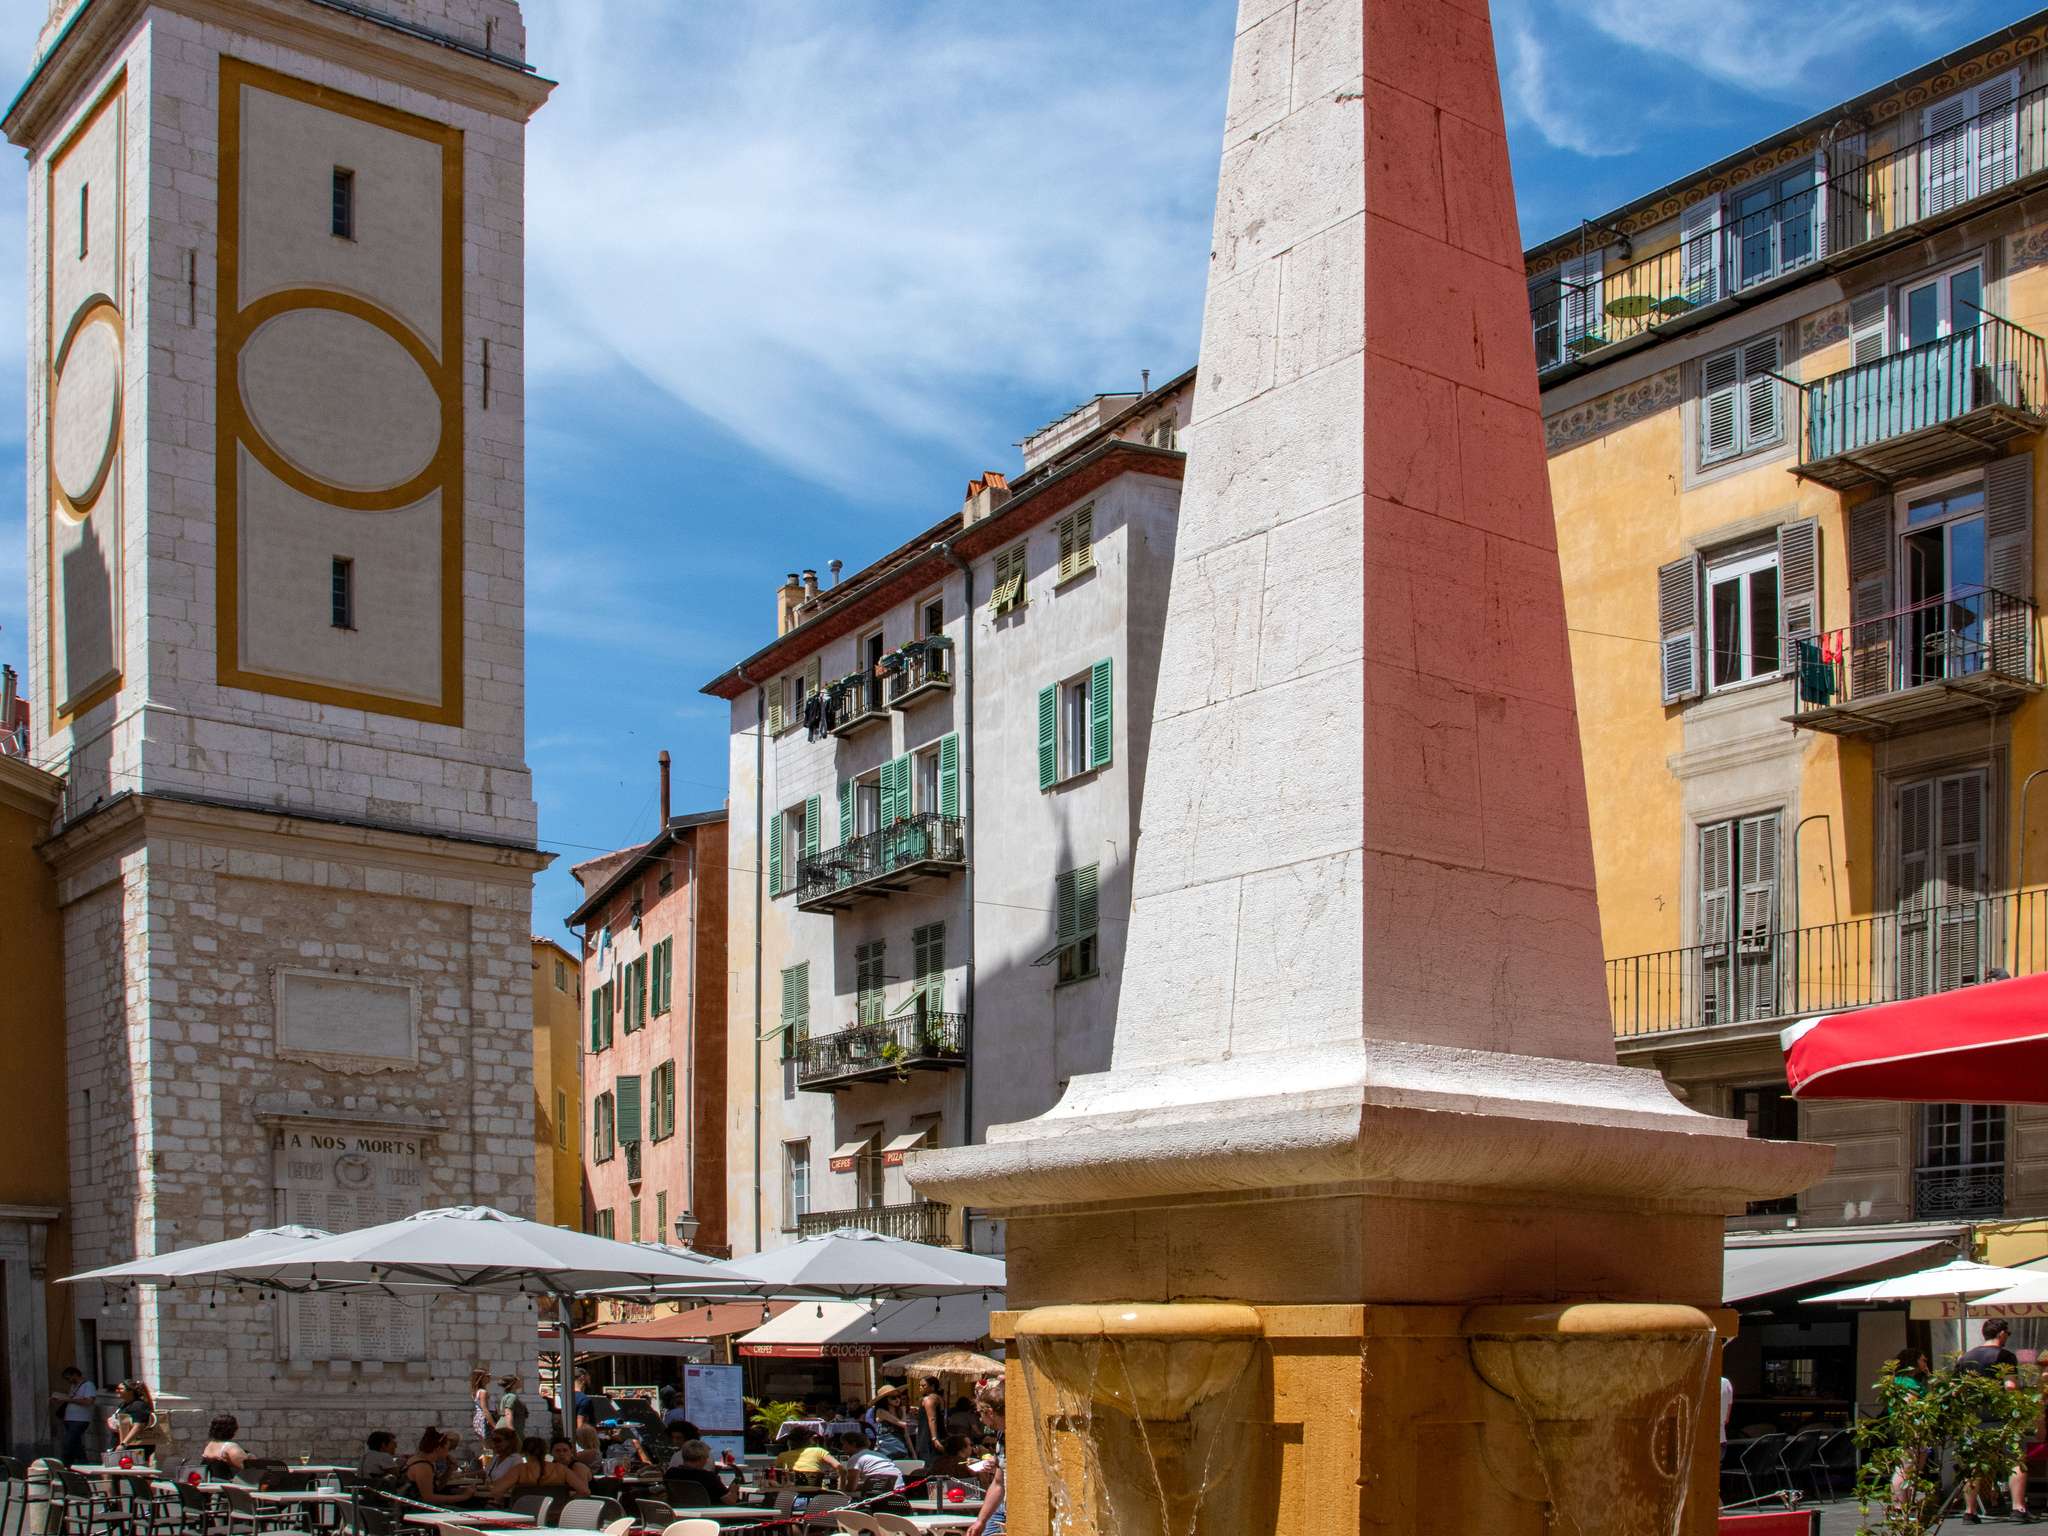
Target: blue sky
(798, 269)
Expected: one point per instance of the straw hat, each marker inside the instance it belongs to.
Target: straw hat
(888, 1391)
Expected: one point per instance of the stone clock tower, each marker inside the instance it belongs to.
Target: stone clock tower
(276, 557)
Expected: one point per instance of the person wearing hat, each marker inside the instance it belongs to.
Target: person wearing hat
(884, 1423)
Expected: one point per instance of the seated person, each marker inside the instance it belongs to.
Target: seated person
(380, 1457)
(426, 1470)
(803, 1458)
(568, 1468)
(222, 1458)
(867, 1469)
(955, 1451)
(691, 1481)
(505, 1462)
(623, 1453)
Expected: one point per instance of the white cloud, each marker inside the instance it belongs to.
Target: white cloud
(1534, 94)
(837, 231)
(1766, 47)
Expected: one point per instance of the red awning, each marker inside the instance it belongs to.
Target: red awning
(1979, 1045)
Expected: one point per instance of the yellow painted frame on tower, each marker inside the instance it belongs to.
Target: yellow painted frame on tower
(63, 711)
(233, 430)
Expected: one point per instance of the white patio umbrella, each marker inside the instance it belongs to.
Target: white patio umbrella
(206, 1262)
(1960, 1278)
(476, 1250)
(2029, 1289)
(853, 1264)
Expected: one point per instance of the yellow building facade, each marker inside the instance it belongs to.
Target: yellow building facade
(1794, 407)
(36, 1338)
(557, 1085)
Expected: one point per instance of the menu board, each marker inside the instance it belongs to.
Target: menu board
(712, 1399)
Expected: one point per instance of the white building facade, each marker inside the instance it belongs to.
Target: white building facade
(935, 771)
(276, 577)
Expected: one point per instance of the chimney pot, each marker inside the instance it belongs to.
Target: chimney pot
(810, 585)
(663, 760)
(787, 596)
(834, 568)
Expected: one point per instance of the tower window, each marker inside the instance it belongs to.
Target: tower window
(344, 203)
(84, 216)
(344, 593)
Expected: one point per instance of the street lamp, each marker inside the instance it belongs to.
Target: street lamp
(686, 1228)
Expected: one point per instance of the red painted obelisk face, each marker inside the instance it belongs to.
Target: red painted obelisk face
(1365, 813)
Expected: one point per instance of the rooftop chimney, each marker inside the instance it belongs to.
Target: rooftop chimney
(810, 585)
(985, 492)
(787, 596)
(834, 568)
(663, 760)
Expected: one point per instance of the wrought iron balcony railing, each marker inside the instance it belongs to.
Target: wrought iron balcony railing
(1856, 200)
(920, 1221)
(1971, 1190)
(921, 847)
(1971, 651)
(632, 1151)
(1924, 409)
(1768, 977)
(873, 1052)
(921, 672)
(857, 703)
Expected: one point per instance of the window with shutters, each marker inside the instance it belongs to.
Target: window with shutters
(931, 616)
(796, 1007)
(628, 1126)
(1945, 939)
(633, 1221)
(601, 1018)
(1163, 433)
(565, 1136)
(924, 774)
(1741, 406)
(662, 982)
(1743, 636)
(792, 838)
(864, 807)
(636, 995)
(1970, 144)
(603, 1223)
(1772, 225)
(561, 976)
(796, 1183)
(870, 1173)
(1074, 725)
(1772, 1114)
(661, 1102)
(604, 1142)
(869, 981)
(1075, 913)
(1738, 919)
(928, 967)
(1942, 569)
(1006, 582)
(1077, 542)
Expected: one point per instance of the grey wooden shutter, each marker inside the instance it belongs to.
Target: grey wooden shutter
(1720, 406)
(1870, 595)
(1086, 906)
(1798, 583)
(1961, 856)
(1717, 873)
(1916, 896)
(1064, 911)
(1762, 395)
(1678, 627)
(1699, 234)
(1945, 154)
(1757, 916)
(1869, 315)
(1997, 134)
(2009, 562)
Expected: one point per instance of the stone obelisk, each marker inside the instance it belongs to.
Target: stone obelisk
(1364, 1082)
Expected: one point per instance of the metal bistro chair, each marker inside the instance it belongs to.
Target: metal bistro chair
(13, 1490)
(654, 1513)
(1801, 1462)
(1764, 1458)
(245, 1514)
(85, 1510)
(534, 1504)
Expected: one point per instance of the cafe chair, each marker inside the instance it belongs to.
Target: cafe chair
(84, 1509)
(246, 1515)
(534, 1504)
(893, 1525)
(693, 1528)
(655, 1514)
(854, 1522)
(619, 1527)
(588, 1514)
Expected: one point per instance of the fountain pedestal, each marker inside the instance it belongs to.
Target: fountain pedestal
(1363, 1086)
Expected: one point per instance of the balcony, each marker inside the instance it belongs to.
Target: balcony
(1929, 409)
(921, 1221)
(905, 853)
(1960, 657)
(1959, 1193)
(1858, 204)
(856, 703)
(1766, 979)
(870, 1053)
(922, 670)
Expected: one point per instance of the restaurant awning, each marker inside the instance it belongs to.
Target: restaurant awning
(679, 1335)
(1766, 1268)
(847, 1153)
(834, 1330)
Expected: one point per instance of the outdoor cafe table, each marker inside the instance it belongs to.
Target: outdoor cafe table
(483, 1517)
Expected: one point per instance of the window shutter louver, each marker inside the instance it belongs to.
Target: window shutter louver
(1699, 234)
(1084, 538)
(813, 820)
(949, 775)
(1916, 897)
(597, 1019)
(2009, 561)
(1101, 729)
(1065, 528)
(811, 675)
(775, 853)
(1064, 913)
(628, 1089)
(1085, 900)
(1946, 133)
(1962, 878)
(896, 790)
(1583, 314)
(1048, 736)
(1997, 133)
(1842, 171)
(1717, 872)
(1678, 628)
(1870, 591)
(1720, 392)
(845, 812)
(1798, 582)
(1760, 393)
(1869, 315)
(1757, 916)
(665, 976)
(777, 692)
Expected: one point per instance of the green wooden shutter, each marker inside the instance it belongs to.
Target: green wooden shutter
(597, 1019)
(1064, 907)
(668, 974)
(640, 993)
(845, 812)
(895, 790)
(1099, 701)
(1048, 736)
(949, 775)
(1085, 907)
(796, 1006)
(775, 853)
(627, 1086)
(811, 823)
(665, 1105)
